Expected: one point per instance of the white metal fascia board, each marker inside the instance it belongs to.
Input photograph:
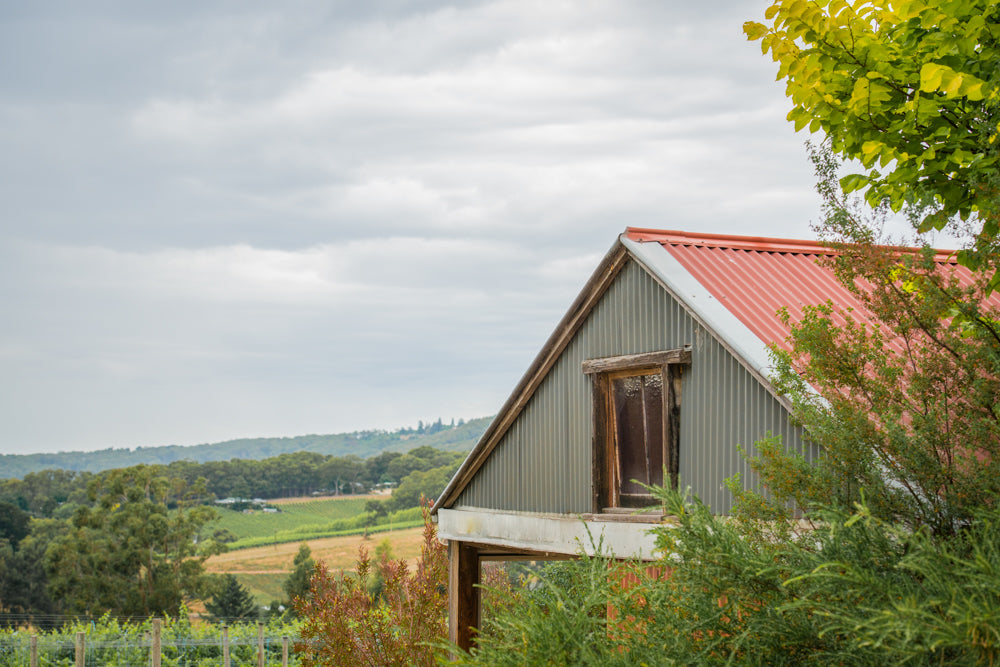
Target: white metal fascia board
(712, 313)
(558, 534)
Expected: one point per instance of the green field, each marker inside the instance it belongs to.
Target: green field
(291, 518)
(307, 520)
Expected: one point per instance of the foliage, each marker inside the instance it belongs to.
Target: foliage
(421, 458)
(112, 539)
(42, 493)
(855, 591)
(347, 624)
(13, 524)
(231, 601)
(562, 619)
(303, 567)
(904, 408)
(114, 643)
(24, 591)
(58, 493)
(129, 554)
(422, 483)
(910, 88)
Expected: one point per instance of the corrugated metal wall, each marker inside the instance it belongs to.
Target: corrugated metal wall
(543, 463)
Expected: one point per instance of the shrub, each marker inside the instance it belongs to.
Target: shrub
(346, 622)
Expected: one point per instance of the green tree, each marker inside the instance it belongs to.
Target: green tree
(376, 467)
(297, 584)
(23, 580)
(911, 89)
(129, 554)
(422, 459)
(231, 601)
(13, 523)
(420, 484)
(341, 472)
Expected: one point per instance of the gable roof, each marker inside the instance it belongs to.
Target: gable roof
(732, 285)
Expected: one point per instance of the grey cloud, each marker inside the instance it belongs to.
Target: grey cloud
(242, 218)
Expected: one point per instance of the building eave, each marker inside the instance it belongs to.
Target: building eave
(548, 534)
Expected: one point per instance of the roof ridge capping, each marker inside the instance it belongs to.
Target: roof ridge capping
(757, 243)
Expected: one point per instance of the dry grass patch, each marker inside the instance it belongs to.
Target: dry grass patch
(339, 553)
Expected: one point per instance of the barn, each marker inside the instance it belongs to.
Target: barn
(655, 374)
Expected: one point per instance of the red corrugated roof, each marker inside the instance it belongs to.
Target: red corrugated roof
(754, 277)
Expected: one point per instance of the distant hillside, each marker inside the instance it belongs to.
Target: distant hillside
(361, 443)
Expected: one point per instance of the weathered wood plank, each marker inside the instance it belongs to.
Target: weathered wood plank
(637, 361)
(463, 594)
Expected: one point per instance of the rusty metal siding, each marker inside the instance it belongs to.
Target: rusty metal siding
(543, 462)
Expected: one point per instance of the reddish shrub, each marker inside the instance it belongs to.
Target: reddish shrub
(349, 623)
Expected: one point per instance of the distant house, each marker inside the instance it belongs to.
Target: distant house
(660, 363)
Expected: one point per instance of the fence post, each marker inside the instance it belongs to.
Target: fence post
(33, 644)
(284, 651)
(225, 646)
(260, 644)
(155, 649)
(80, 649)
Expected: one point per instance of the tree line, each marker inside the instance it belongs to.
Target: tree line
(132, 541)
(457, 435)
(57, 493)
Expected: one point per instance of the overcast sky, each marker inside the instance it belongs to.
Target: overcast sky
(235, 218)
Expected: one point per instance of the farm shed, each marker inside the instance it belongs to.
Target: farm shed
(659, 368)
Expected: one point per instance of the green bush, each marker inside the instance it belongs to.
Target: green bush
(113, 643)
(856, 590)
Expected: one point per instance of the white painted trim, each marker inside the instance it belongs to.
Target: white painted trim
(553, 533)
(714, 314)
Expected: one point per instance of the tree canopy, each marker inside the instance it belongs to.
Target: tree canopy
(130, 554)
(296, 586)
(911, 89)
(231, 601)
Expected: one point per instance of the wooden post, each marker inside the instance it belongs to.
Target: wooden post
(154, 650)
(260, 644)
(463, 595)
(33, 647)
(225, 646)
(284, 651)
(81, 649)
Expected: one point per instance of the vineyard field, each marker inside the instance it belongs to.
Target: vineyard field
(292, 516)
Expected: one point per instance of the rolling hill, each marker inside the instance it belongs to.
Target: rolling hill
(362, 443)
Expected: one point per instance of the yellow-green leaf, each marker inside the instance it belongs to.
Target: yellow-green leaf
(754, 30)
(930, 77)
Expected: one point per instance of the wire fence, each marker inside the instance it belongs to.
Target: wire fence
(105, 648)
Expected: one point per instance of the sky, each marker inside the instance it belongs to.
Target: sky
(227, 219)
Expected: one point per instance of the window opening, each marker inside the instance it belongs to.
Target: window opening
(636, 426)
